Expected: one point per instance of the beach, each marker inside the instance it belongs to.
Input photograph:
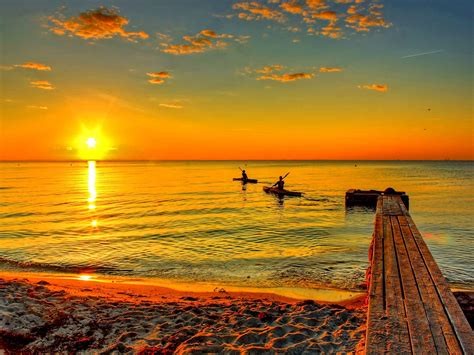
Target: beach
(43, 314)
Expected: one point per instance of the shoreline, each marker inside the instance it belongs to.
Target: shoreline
(288, 294)
(42, 314)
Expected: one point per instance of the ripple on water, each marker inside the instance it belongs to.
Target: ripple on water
(190, 221)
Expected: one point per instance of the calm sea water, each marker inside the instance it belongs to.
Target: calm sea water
(184, 221)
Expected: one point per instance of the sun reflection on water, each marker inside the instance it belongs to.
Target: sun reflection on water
(91, 184)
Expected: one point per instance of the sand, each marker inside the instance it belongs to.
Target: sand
(40, 314)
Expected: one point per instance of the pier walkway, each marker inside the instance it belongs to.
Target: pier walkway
(411, 308)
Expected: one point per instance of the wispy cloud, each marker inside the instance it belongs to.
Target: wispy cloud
(34, 66)
(203, 41)
(38, 107)
(158, 77)
(27, 65)
(173, 106)
(423, 53)
(101, 23)
(269, 68)
(42, 84)
(375, 87)
(330, 69)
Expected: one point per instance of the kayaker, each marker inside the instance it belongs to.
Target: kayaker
(244, 176)
(280, 184)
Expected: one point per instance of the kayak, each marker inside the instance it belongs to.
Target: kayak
(277, 191)
(250, 181)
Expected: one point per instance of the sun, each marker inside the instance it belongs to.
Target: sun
(91, 142)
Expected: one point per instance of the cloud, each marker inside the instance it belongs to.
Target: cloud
(325, 15)
(292, 7)
(286, 77)
(274, 72)
(252, 10)
(42, 84)
(158, 77)
(163, 37)
(201, 42)
(175, 106)
(330, 69)
(34, 66)
(363, 22)
(375, 87)
(356, 15)
(6, 67)
(160, 74)
(37, 107)
(331, 30)
(270, 68)
(101, 23)
(316, 4)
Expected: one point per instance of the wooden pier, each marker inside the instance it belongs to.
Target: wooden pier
(411, 308)
(369, 198)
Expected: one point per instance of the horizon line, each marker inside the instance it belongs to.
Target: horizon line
(211, 160)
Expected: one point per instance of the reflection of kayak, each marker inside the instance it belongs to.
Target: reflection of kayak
(250, 181)
(275, 190)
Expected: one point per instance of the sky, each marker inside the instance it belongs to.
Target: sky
(221, 79)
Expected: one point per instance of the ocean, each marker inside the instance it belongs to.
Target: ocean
(188, 222)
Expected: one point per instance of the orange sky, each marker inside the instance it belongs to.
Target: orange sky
(231, 81)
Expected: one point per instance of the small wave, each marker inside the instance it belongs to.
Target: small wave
(16, 215)
(101, 269)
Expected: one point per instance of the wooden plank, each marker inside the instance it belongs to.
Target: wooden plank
(456, 317)
(390, 206)
(396, 325)
(439, 324)
(376, 336)
(421, 337)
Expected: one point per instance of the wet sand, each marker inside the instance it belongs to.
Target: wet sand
(41, 314)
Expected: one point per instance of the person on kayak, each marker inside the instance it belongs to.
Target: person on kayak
(280, 184)
(244, 176)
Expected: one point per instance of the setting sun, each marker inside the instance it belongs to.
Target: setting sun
(91, 142)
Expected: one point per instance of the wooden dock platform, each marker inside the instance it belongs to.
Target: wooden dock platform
(411, 307)
(369, 198)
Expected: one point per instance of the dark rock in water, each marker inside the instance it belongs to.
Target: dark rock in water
(42, 282)
(466, 301)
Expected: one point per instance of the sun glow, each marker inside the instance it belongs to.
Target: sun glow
(91, 142)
